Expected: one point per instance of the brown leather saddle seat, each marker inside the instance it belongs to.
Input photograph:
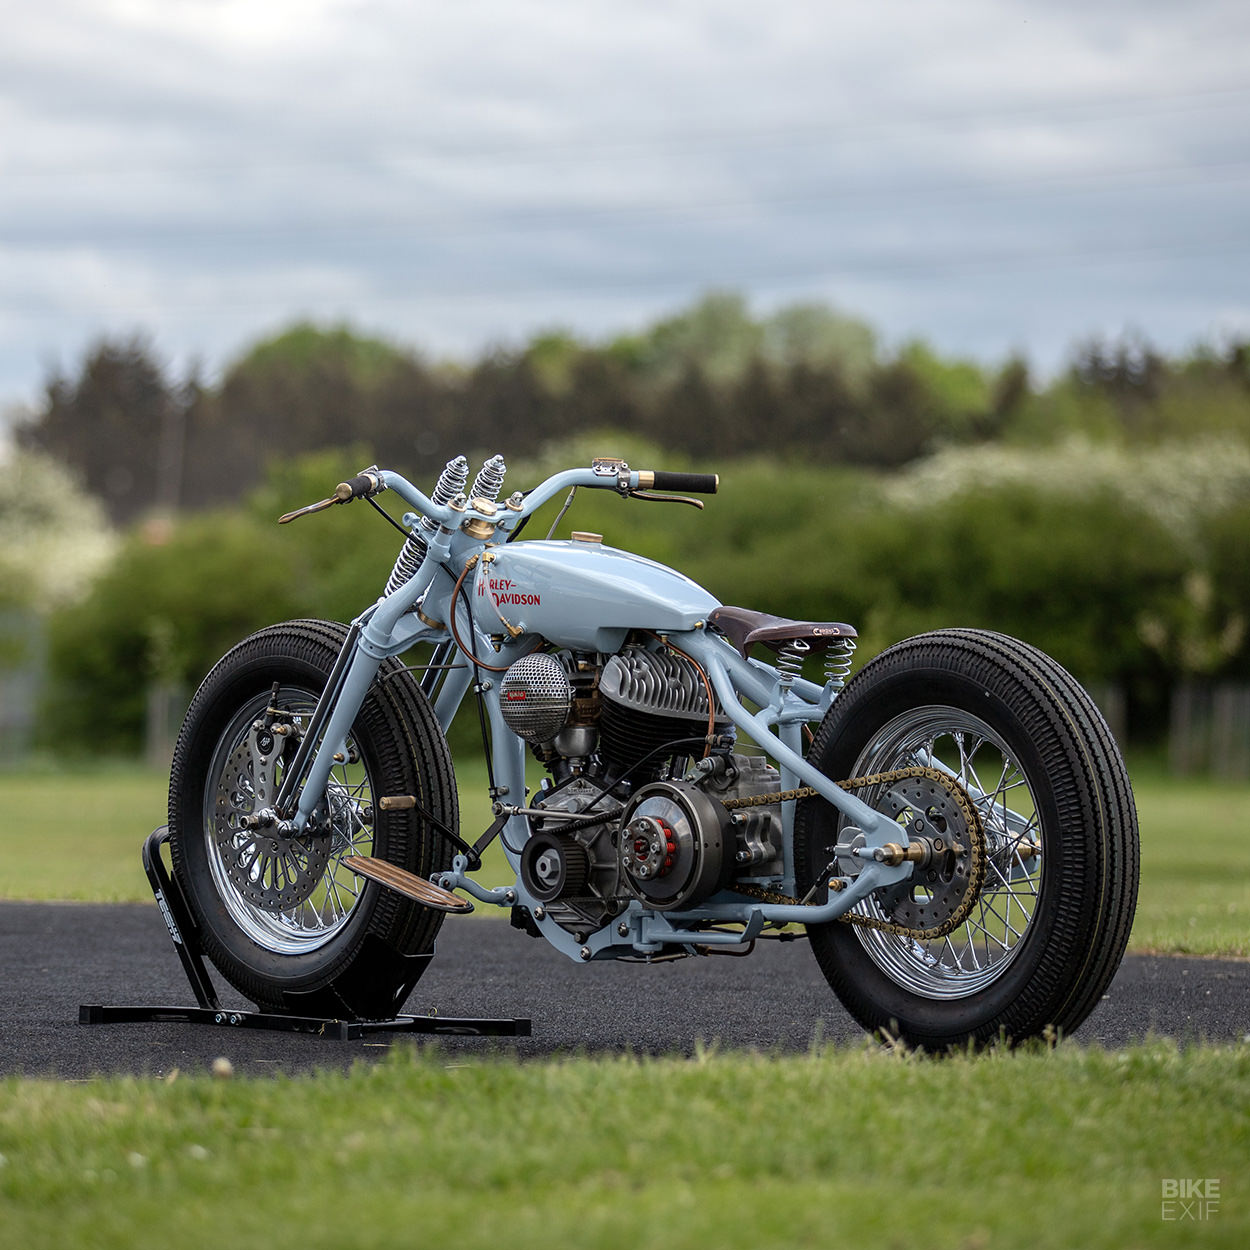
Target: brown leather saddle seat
(744, 628)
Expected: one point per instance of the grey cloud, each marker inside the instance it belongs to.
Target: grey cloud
(994, 176)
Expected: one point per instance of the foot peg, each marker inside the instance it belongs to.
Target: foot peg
(406, 883)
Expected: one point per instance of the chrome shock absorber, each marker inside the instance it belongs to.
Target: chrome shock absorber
(489, 480)
(838, 663)
(450, 484)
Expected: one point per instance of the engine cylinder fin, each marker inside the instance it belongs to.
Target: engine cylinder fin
(650, 698)
(656, 682)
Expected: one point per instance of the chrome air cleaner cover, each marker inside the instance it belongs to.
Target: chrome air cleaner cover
(536, 697)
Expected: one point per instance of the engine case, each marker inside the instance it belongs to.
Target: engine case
(758, 853)
(675, 845)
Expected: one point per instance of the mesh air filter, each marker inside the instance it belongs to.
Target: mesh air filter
(535, 697)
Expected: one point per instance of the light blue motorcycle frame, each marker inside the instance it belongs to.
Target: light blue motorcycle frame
(785, 704)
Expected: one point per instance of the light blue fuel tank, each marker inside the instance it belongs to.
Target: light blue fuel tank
(584, 595)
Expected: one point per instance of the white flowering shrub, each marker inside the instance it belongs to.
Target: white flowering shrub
(1179, 484)
(54, 538)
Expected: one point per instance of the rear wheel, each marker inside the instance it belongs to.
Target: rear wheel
(1048, 928)
(284, 919)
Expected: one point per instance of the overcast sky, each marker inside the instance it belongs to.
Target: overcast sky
(992, 175)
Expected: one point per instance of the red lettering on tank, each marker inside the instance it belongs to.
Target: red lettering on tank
(504, 593)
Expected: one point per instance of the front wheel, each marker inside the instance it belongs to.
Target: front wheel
(1051, 918)
(284, 919)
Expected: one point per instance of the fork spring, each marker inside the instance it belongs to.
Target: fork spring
(489, 480)
(450, 483)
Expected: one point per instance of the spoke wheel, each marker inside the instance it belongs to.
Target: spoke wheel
(1048, 928)
(287, 894)
(283, 918)
(976, 953)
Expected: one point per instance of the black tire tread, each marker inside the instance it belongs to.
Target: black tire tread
(1096, 880)
(410, 750)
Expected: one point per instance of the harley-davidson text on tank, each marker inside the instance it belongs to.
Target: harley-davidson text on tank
(584, 595)
(505, 593)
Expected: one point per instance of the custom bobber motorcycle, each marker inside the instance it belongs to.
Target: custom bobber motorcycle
(952, 828)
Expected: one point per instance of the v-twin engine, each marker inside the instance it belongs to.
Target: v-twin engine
(635, 808)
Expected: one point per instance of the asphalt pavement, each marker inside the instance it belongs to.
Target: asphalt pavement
(58, 956)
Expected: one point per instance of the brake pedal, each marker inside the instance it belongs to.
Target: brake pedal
(407, 883)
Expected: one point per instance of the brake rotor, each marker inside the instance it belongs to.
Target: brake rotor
(938, 890)
(272, 871)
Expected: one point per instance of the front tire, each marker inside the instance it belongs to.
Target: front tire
(286, 921)
(1049, 928)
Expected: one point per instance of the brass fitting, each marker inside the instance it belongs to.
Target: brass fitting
(892, 854)
(475, 527)
(397, 802)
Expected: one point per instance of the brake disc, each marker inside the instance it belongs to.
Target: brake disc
(272, 871)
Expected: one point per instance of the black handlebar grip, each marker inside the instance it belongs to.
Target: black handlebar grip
(356, 487)
(700, 483)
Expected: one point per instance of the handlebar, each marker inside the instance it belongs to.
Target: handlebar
(604, 474)
(623, 480)
(359, 487)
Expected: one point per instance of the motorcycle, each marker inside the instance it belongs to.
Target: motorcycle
(952, 829)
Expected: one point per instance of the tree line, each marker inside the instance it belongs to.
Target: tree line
(712, 382)
(1128, 567)
(1101, 514)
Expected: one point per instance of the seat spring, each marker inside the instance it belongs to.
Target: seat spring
(838, 661)
(790, 660)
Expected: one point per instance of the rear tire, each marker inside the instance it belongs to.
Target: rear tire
(287, 923)
(1049, 929)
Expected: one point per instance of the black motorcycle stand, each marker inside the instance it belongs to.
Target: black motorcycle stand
(182, 930)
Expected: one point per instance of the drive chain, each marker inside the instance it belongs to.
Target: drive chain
(975, 833)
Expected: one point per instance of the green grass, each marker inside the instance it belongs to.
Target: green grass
(1195, 880)
(861, 1145)
(76, 835)
(1041, 1148)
